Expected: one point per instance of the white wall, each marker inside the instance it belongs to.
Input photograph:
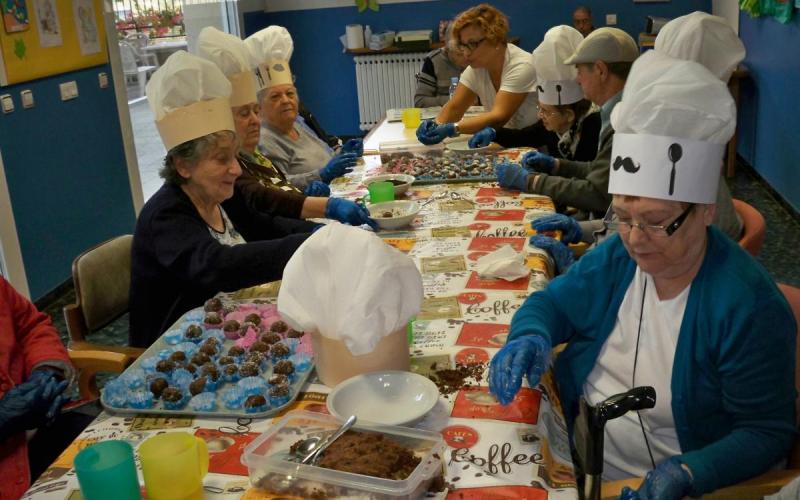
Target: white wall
(727, 9)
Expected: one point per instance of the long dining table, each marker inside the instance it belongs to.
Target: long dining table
(517, 451)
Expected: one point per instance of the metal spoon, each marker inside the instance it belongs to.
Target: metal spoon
(312, 457)
(306, 446)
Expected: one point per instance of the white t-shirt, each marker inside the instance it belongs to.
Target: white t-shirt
(518, 76)
(230, 236)
(625, 453)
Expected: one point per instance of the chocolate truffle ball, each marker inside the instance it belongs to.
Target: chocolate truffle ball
(208, 349)
(197, 386)
(191, 368)
(236, 351)
(226, 360)
(193, 332)
(178, 357)
(278, 379)
(213, 304)
(211, 341)
(165, 366)
(172, 394)
(294, 334)
(253, 318)
(231, 370)
(284, 367)
(254, 357)
(200, 358)
(279, 391)
(280, 350)
(213, 318)
(157, 386)
(231, 325)
(255, 401)
(210, 370)
(279, 326)
(248, 370)
(259, 346)
(270, 338)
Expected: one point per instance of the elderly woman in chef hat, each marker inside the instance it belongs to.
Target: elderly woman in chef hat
(700, 37)
(569, 126)
(288, 142)
(264, 187)
(669, 302)
(196, 236)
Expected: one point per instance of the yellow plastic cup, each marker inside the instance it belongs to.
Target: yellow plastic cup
(412, 117)
(174, 465)
(381, 191)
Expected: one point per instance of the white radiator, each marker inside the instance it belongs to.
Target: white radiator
(384, 82)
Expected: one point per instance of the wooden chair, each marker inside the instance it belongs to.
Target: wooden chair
(755, 227)
(765, 484)
(89, 363)
(102, 278)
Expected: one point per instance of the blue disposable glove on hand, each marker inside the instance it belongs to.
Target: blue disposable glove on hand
(338, 166)
(668, 481)
(317, 188)
(528, 356)
(570, 229)
(512, 176)
(482, 138)
(31, 404)
(539, 162)
(348, 212)
(354, 146)
(429, 132)
(559, 252)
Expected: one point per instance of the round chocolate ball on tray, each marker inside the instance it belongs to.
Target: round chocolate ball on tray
(279, 326)
(158, 385)
(213, 304)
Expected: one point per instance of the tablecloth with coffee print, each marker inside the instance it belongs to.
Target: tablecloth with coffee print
(494, 451)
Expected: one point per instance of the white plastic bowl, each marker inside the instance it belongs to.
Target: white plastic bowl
(399, 189)
(386, 397)
(409, 209)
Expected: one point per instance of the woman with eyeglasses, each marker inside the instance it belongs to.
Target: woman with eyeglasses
(499, 73)
(569, 126)
(668, 302)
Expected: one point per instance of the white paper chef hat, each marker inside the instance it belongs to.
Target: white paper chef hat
(555, 80)
(671, 128)
(270, 50)
(231, 56)
(703, 38)
(190, 98)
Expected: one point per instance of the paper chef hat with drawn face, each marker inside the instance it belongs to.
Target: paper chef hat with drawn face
(270, 51)
(671, 128)
(230, 55)
(556, 82)
(703, 38)
(190, 98)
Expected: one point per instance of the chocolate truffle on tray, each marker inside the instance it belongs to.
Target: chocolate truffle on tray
(255, 403)
(231, 329)
(253, 318)
(284, 367)
(178, 357)
(280, 350)
(279, 326)
(230, 373)
(213, 304)
(165, 366)
(174, 398)
(225, 360)
(270, 338)
(279, 395)
(158, 385)
(193, 333)
(236, 351)
(260, 347)
(200, 358)
(213, 319)
(278, 379)
(248, 369)
(197, 386)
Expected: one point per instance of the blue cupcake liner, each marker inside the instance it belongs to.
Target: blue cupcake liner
(189, 348)
(205, 401)
(140, 399)
(212, 385)
(176, 405)
(216, 333)
(301, 361)
(230, 378)
(133, 379)
(173, 336)
(276, 401)
(165, 353)
(149, 364)
(257, 409)
(252, 385)
(233, 397)
(116, 394)
(197, 314)
(181, 378)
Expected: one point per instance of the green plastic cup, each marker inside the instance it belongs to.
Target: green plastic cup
(107, 467)
(380, 192)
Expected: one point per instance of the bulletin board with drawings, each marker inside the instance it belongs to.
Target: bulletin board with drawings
(42, 38)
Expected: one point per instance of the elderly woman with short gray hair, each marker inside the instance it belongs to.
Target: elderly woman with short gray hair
(196, 236)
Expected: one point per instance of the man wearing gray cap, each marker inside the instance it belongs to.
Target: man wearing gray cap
(603, 60)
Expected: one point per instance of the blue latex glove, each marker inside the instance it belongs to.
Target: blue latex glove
(348, 212)
(33, 403)
(482, 138)
(528, 356)
(539, 162)
(668, 481)
(570, 229)
(354, 146)
(317, 188)
(429, 132)
(560, 253)
(338, 166)
(512, 176)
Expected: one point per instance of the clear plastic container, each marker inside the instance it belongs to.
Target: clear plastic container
(269, 468)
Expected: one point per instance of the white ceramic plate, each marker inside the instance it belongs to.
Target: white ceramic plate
(408, 209)
(399, 189)
(387, 397)
(463, 147)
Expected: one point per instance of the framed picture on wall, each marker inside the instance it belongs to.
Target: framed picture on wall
(15, 16)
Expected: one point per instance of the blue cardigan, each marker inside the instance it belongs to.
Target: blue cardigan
(733, 391)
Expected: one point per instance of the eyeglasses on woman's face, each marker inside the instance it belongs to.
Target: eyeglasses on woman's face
(470, 46)
(625, 225)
